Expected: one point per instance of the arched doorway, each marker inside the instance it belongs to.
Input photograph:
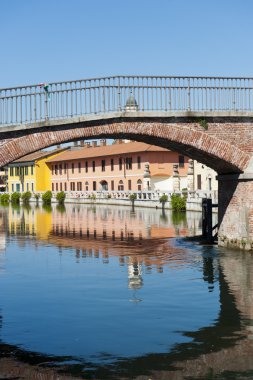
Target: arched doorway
(104, 186)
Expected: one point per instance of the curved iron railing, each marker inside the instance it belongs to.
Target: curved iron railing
(34, 103)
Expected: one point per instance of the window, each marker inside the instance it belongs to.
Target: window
(139, 162)
(26, 170)
(87, 186)
(52, 186)
(94, 184)
(129, 184)
(120, 164)
(56, 169)
(56, 186)
(181, 161)
(60, 186)
(65, 186)
(12, 187)
(103, 165)
(129, 163)
(93, 165)
(16, 171)
(11, 172)
(112, 185)
(72, 186)
(139, 183)
(199, 181)
(60, 169)
(86, 166)
(79, 186)
(27, 187)
(73, 167)
(32, 186)
(112, 165)
(79, 167)
(65, 168)
(121, 186)
(32, 170)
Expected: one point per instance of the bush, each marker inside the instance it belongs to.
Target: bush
(5, 198)
(37, 196)
(60, 197)
(92, 197)
(178, 203)
(132, 197)
(163, 199)
(15, 197)
(26, 197)
(47, 197)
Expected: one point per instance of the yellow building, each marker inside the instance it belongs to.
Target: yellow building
(31, 172)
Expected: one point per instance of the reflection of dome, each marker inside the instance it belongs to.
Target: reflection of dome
(134, 276)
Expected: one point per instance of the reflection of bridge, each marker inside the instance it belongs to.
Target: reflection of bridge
(219, 346)
(207, 119)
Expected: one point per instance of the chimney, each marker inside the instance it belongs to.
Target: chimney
(103, 142)
(94, 144)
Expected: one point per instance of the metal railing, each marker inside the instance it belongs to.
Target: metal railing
(61, 100)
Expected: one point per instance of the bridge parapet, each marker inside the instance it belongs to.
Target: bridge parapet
(63, 100)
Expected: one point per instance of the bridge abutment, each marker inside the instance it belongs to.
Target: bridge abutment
(235, 212)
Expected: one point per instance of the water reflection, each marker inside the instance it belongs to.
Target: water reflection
(190, 310)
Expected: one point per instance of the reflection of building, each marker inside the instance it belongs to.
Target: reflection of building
(31, 172)
(119, 167)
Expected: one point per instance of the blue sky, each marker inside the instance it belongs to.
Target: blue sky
(57, 40)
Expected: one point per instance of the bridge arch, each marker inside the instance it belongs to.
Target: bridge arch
(222, 156)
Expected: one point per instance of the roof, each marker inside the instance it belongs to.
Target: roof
(108, 150)
(38, 155)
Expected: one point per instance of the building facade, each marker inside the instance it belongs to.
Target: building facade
(123, 166)
(31, 172)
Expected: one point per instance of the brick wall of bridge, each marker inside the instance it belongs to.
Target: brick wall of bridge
(220, 147)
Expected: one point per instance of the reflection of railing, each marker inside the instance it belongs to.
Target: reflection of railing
(28, 104)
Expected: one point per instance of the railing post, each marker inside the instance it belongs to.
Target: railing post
(119, 96)
(188, 96)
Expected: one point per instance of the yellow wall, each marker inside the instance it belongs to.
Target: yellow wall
(15, 179)
(41, 177)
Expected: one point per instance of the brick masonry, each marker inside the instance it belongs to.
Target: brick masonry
(226, 146)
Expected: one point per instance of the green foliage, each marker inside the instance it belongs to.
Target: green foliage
(109, 196)
(15, 197)
(178, 203)
(92, 197)
(60, 197)
(5, 198)
(132, 197)
(37, 196)
(203, 123)
(163, 198)
(26, 197)
(47, 197)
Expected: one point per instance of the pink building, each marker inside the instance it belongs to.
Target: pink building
(123, 166)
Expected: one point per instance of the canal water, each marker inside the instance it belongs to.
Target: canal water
(96, 292)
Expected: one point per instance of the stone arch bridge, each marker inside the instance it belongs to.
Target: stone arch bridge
(207, 119)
